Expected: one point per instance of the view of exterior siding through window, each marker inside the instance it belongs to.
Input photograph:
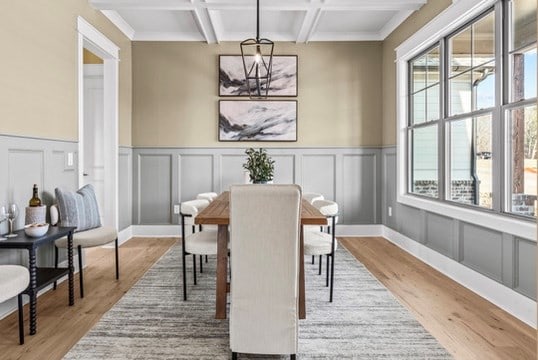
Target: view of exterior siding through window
(478, 128)
(521, 118)
(424, 120)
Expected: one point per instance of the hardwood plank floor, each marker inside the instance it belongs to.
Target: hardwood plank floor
(60, 326)
(467, 325)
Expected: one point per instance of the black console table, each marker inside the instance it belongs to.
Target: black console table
(41, 277)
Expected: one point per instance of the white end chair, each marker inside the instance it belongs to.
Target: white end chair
(14, 279)
(203, 242)
(264, 224)
(311, 197)
(85, 239)
(320, 243)
(209, 196)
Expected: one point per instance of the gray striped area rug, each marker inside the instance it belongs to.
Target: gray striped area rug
(152, 321)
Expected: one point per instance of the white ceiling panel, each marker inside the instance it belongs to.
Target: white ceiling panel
(235, 20)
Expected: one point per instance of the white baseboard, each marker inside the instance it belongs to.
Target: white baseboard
(507, 299)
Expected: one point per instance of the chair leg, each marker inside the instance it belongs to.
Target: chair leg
(320, 262)
(184, 258)
(206, 258)
(234, 355)
(313, 257)
(194, 267)
(21, 320)
(55, 263)
(327, 279)
(332, 278)
(201, 262)
(117, 259)
(80, 272)
(292, 356)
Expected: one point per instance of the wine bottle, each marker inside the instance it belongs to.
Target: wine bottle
(35, 200)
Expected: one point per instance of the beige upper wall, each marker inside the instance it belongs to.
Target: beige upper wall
(175, 95)
(38, 95)
(399, 35)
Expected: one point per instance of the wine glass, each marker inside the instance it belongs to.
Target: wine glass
(3, 217)
(12, 213)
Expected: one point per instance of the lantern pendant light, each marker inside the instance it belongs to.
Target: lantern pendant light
(257, 55)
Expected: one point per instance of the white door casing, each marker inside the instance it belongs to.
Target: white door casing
(91, 39)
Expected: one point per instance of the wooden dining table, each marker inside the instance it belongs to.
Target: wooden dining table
(218, 213)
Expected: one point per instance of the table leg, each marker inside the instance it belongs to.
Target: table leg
(71, 268)
(302, 304)
(222, 271)
(32, 292)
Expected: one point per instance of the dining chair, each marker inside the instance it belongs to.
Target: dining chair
(311, 197)
(324, 243)
(14, 279)
(202, 242)
(264, 237)
(80, 209)
(209, 196)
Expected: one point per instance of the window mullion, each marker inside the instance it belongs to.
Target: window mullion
(443, 94)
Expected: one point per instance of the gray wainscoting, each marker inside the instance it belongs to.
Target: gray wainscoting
(27, 161)
(507, 259)
(125, 191)
(166, 176)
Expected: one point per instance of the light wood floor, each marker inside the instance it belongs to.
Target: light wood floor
(468, 326)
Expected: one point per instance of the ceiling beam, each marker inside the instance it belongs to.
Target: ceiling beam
(310, 22)
(203, 19)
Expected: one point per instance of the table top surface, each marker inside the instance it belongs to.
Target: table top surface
(218, 213)
(24, 241)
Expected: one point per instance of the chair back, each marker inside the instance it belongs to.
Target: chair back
(311, 197)
(191, 208)
(264, 225)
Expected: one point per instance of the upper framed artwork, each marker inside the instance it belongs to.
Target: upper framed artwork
(283, 76)
(245, 120)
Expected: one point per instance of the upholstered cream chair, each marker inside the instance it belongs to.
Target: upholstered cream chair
(321, 243)
(311, 197)
(209, 196)
(14, 279)
(203, 242)
(98, 236)
(264, 225)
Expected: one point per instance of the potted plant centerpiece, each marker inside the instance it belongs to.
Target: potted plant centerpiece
(259, 165)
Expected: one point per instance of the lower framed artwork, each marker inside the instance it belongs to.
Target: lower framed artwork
(245, 120)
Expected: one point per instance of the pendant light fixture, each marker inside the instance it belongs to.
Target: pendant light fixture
(257, 57)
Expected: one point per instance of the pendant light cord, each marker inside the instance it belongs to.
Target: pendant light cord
(258, 21)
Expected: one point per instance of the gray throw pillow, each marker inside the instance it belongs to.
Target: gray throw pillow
(78, 208)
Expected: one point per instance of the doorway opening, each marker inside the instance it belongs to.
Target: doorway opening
(98, 126)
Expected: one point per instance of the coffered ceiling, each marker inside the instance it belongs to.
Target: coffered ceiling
(214, 21)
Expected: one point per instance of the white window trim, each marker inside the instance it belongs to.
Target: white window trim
(449, 20)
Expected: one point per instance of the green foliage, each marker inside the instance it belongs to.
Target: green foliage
(259, 165)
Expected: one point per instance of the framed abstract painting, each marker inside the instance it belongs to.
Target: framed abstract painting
(244, 120)
(283, 76)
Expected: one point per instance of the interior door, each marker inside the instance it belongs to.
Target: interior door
(94, 164)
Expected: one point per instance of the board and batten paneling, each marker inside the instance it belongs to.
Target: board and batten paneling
(155, 188)
(500, 256)
(24, 162)
(125, 189)
(189, 171)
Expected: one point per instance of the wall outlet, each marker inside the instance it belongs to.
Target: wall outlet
(390, 210)
(176, 209)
